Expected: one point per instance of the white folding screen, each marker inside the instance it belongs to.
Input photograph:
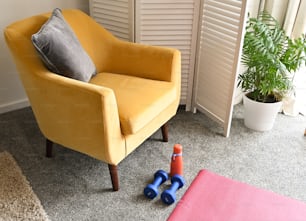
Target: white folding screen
(222, 28)
(117, 16)
(171, 23)
(207, 32)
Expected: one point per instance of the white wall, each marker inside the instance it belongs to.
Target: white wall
(252, 10)
(12, 95)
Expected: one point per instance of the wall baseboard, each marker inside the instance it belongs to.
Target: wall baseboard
(14, 105)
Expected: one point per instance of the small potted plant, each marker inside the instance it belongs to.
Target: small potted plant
(271, 59)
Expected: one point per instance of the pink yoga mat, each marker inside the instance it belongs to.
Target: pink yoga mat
(212, 197)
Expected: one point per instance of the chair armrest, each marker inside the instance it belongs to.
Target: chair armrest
(79, 115)
(152, 62)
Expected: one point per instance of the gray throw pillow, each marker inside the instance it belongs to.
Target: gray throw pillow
(61, 51)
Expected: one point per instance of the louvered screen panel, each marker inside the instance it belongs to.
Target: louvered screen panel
(171, 23)
(117, 16)
(220, 47)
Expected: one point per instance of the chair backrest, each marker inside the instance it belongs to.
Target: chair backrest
(93, 37)
(18, 38)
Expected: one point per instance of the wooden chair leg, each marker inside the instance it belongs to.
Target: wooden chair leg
(113, 170)
(164, 129)
(49, 145)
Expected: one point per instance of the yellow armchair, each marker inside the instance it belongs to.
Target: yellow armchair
(135, 92)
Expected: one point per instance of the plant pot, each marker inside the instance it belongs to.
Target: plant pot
(260, 116)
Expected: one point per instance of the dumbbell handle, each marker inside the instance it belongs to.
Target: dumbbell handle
(157, 181)
(174, 187)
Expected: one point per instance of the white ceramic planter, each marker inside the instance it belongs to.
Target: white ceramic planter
(260, 116)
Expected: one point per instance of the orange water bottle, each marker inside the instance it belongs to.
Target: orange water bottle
(176, 166)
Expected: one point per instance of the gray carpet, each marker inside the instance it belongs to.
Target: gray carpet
(72, 186)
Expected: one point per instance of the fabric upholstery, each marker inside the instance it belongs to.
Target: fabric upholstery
(136, 90)
(129, 88)
(61, 51)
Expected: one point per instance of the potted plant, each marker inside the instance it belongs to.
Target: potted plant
(270, 58)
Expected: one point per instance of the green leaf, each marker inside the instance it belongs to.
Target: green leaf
(270, 56)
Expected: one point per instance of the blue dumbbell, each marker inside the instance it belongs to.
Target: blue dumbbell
(168, 196)
(151, 190)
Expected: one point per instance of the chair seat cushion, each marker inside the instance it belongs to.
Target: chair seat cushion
(139, 100)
